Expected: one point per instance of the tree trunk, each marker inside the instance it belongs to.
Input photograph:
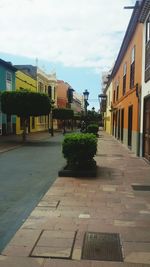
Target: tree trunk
(24, 130)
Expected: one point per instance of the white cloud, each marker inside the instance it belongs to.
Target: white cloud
(81, 33)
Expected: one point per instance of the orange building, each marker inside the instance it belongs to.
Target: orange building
(126, 80)
(62, 89)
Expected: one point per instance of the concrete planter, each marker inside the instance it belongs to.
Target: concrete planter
(78, 171)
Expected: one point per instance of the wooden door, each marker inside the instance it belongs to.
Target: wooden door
(130, 118)
(122, 124)
(146, 133)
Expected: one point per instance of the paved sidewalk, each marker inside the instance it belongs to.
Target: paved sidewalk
(53, 233)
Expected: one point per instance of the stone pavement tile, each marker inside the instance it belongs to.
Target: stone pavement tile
(66, 263)
(137, 234)
(58, 234)
(137, 252)
(138, 257)
(50, 204)
(25, 237)
(116, 264)
(56, 252)
(77, 250)
(124, 223)
(41, 211)
(109, 188)
(20, 262)
(20, 251)
(102, 227)
(54, 244)
(39, 223)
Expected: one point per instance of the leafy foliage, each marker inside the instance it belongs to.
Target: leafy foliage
(92, 128)
(79, 148)
(63, 113)
(25, 103)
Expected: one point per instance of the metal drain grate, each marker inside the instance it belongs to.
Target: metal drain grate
(102, 247)
(141, 187)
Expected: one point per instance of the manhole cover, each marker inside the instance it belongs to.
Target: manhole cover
(141, 187)
(102, 247)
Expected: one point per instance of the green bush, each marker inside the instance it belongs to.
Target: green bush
(92, 128)
(79, 149)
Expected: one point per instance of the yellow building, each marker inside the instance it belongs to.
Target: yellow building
(24, 81)
(108, 114)
(42, 83)
(47, 83)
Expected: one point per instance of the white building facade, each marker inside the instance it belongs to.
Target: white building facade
(145, 90)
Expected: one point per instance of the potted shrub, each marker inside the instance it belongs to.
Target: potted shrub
(79, 150)
(92, 128)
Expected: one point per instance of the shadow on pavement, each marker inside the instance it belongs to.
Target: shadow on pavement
(42, 143)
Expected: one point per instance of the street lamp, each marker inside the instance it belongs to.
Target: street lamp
(86, 96)
(51, 117)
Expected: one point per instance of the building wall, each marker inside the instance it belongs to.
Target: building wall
(3, 70)
(108, 114)
(130, 98)
(76, 105)
(24, 81)
(43, 82)
(7, 127)
(145, 89)
(62, 88)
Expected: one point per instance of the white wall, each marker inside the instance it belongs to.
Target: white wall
(145, 91)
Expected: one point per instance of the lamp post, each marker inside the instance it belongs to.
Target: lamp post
(86, 96)
(86, 104)
(51, 117)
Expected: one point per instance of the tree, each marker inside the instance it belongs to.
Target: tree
(24, 104)
(93, 116)
(63, 114)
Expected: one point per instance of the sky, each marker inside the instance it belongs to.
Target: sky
(77, 39)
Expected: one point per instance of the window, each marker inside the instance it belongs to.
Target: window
(40, 87)
(132, 68)
(54, 92)
(124, 77)
(8, 81)
(50, 91)
(114, 96)
(117, 90)
(133, 55)
(147, 51)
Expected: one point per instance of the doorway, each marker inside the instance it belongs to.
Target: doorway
(130, 119)
(118, 124)
(122, 124)
(146, 132)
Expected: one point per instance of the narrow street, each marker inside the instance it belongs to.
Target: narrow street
(113, 207)
(25, 175)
